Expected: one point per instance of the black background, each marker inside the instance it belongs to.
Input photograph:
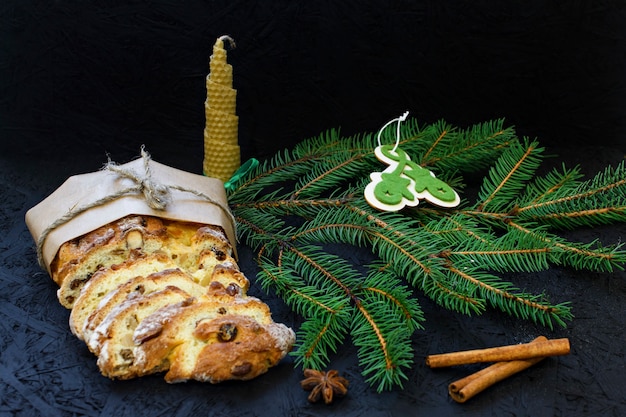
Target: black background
(110, 76)
(83, 79)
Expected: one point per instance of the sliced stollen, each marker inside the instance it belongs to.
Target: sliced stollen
(131, 237)
(112, 339)
(78, 259)
(154, 294)
(211, 340)
(141, 284)
(106, 280)
(109, 286)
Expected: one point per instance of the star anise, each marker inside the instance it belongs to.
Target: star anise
(324, 385)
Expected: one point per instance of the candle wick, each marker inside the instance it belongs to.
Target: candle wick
(231, 41)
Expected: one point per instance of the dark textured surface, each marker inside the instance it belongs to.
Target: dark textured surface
(80, 79)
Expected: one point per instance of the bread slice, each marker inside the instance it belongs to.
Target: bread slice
(108, 279)
(129, 238)
(141, 284)
(112, 339)
(109, 244)
(212, 341)
(108, 286)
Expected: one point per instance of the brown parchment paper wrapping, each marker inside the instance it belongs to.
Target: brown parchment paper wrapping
(203, 201)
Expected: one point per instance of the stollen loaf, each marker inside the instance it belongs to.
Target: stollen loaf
(153, 295)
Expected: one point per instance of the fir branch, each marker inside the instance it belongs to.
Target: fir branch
(588, 256)
(330, 280)
(397, 297)
(327, 316)
(446, 293)
(508, 177)
(385, 357)
(545, 188)
(601, 200)
(467, 150)
(501, 294)
(329, 174)
(354, 224)
(317, 337)
(442, 133)
(294, 205)
(514, 251)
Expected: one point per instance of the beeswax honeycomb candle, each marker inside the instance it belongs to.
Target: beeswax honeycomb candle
(221, 127)
(223, 98)
(220, 72)
(221, 150)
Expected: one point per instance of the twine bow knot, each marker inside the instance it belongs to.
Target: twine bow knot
(157, 195)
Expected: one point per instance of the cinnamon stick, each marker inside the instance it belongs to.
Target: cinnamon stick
(535, 349)
(466, 388)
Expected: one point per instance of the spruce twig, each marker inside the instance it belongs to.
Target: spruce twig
(292, 207)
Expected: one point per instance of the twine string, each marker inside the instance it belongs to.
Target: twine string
(400, 119)
(157, 197)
